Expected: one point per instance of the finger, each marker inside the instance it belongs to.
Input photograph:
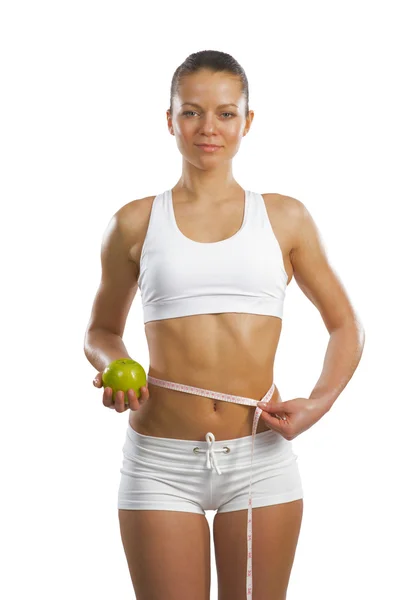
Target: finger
(137, 401)
(133, 400)
(273, 420)
(108, 398)
(282, 427)
(120, 401)
(145, 394)
(276, 407)
(280, 417)
(278, 413)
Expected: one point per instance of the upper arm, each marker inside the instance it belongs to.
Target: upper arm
(118, 285)
(314, 274)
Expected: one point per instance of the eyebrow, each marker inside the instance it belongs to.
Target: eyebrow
(219, 106)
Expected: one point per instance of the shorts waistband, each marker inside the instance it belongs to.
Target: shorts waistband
(161, 442)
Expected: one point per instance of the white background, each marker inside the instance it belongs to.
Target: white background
(85, 89)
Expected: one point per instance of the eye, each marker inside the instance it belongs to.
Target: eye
(187, 112)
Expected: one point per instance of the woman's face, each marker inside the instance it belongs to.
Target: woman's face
(209, 109)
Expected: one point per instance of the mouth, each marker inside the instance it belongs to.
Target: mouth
(208, 147)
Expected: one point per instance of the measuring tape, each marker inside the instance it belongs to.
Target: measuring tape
(236, 400)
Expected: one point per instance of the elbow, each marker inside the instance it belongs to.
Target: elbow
(353, 330)
(86, 343)
(352, 321)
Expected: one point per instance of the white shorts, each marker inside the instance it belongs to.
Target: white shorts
(191, 476)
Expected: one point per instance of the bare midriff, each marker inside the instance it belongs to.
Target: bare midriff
(232, 353)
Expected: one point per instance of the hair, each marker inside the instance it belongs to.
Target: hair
(214, 61)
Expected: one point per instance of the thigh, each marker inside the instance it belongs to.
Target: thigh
(276, 530)
(168, 553)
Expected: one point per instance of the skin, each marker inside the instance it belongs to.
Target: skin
(228, 352)
(234, 352)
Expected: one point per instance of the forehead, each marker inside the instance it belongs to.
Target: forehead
(206, 86)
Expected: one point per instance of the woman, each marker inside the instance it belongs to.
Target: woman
(213, 262)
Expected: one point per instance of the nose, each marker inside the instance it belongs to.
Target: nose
(208, 124)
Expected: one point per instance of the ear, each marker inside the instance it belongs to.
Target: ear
(169, 121)
(249, 120)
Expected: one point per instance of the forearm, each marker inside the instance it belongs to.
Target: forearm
(102, 347)
(342, 357)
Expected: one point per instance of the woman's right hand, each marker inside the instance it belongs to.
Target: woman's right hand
(134, 402)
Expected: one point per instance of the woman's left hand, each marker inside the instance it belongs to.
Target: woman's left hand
(294, 416)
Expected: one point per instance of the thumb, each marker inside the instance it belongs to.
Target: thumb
(274, 407)
(97, 381)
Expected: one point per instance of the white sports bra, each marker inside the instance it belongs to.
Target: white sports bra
(179, 277)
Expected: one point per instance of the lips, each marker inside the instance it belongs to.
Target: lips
(208, 145)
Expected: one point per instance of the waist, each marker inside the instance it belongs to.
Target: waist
(210, 393)
(181, 414)
(241, 386)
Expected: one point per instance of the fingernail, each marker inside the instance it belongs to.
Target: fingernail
(262, 404)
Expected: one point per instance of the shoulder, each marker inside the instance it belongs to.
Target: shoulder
(133, 217)
(137, 209)
(289, 206)
(130, 222)
(288, 213)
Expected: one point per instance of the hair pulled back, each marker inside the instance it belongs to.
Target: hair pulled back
(215, 61)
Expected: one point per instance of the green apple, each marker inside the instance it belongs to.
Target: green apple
(124, 374)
